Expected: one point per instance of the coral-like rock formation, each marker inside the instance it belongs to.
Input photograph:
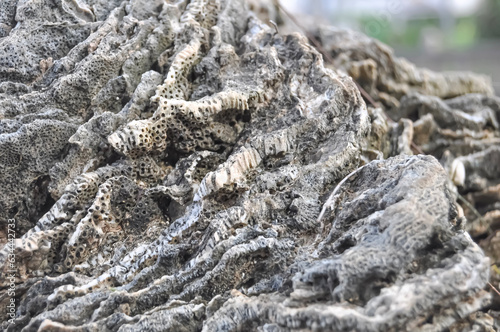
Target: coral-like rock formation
(181, 166)
(388, 78)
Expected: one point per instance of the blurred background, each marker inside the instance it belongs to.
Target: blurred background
(436, 34)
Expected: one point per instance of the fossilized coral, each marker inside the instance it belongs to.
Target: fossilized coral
(189, 152)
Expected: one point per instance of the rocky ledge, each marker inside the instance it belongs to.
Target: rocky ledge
(182, 166)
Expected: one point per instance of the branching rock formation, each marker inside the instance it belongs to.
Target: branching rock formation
(181, 166)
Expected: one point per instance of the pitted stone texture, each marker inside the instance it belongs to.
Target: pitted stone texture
(196, 149)
(396, 214)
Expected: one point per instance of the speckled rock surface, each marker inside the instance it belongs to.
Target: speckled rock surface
(181, 166)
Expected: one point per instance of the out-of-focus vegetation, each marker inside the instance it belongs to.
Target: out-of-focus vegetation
(412, 23)
(459, 32)
(464, 32)
(489, 20)
(440, 35)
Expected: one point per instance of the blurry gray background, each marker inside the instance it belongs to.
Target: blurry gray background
(436, 34)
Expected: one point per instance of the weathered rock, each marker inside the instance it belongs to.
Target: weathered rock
(182, 166)
(388, 78)
(462, 131)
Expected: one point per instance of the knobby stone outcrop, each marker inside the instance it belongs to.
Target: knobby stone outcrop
(182, 166)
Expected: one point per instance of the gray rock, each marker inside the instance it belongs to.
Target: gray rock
(181, 166)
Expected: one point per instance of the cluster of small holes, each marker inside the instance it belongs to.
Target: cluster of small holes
(147, 168)
(205, 166)
(77, 252)
(54, 41)
(188, 125)
(204, 12)
(57, 237)
(144, 211)
(137, 138)
(94, 228)
(123, 197)
(80, 192)
(85, 186)
(176, 84)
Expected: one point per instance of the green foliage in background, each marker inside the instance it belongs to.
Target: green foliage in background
(465, 32)
(489, 22)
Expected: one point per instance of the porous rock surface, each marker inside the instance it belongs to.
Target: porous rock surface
(181, 166)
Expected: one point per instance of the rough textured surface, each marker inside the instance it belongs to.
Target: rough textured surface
(386, 77)
(180, 166)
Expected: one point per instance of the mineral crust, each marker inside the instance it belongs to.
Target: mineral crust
(182, 166)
